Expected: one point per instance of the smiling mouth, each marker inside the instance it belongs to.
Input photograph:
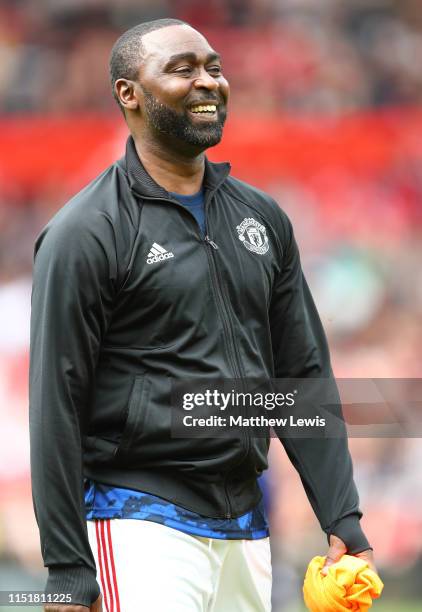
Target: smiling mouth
(205, 111)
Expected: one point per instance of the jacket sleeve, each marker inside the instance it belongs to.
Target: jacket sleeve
(301, 352)
(71, 304)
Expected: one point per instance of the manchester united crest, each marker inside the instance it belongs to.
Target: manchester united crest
(253, 235)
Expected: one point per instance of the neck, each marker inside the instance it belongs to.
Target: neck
(176, 171)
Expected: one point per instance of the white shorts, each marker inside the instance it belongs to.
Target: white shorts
(148, 567)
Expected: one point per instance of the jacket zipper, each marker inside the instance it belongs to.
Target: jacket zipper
(222, 309)
(227, 324)
(228, 341)
(229, 336)
(238, 368)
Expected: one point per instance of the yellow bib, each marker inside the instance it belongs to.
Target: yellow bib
(349, 585)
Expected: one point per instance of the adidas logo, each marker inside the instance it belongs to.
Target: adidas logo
(158, 253)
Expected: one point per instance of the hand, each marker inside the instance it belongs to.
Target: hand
(338, 548)
(95, 607)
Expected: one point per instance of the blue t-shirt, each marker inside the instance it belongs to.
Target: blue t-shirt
(108, 502)
(194, 203)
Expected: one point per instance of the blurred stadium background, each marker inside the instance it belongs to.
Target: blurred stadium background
(326, 115)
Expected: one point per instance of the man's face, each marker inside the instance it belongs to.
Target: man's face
(184, 94)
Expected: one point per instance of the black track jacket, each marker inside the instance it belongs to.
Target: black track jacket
(127, 296)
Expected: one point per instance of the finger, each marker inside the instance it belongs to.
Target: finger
(328, 561)
(335, 552)
(368, 556)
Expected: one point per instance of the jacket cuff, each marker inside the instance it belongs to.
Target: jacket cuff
(78, 581)
(349, 530)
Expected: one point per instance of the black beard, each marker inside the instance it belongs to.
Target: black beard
(167, 121)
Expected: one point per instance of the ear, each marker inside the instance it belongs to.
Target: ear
(127, 93)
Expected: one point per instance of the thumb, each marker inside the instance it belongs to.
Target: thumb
(335, 552)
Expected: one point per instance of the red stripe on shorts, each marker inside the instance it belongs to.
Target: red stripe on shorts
(113, 568)
(100, 561)
(106, 564)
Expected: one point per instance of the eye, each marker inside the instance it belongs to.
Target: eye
(183, 70)
(214, 70)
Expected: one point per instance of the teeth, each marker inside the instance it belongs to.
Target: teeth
(209, 108)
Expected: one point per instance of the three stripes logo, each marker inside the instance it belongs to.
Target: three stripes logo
(158, 253)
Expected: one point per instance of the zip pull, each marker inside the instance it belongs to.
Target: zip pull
(211, 243)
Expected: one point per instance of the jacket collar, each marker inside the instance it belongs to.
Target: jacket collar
(144, 185)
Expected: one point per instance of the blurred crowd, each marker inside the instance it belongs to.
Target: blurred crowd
(359, 231)
(280, 55)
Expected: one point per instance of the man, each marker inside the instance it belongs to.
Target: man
(166, 268)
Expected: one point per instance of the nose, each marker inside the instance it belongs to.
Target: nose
(205, 81)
